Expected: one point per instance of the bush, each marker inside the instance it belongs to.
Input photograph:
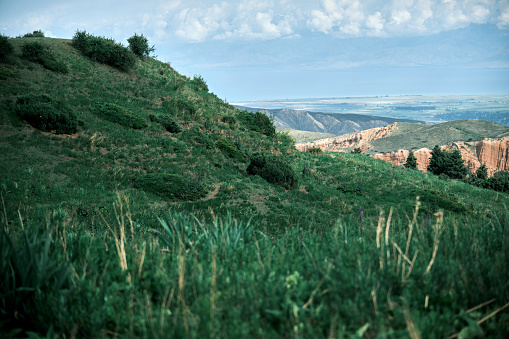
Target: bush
(356, 150)
(138, 44)
(314, 150)
(198, 83)
(230, 149)
(117, 114)
(37, 52)
(35, 34)
(168, 122)
(257, 122)
(105, 51)
(46, 114)
(179, 105)
(499, 181)
(171, 186)
(273, 168)
(6, 48)
(199, 137)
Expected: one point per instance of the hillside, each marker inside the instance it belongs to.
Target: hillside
(332, 123)
(135, 203)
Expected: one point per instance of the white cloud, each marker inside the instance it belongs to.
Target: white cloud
(376, 23)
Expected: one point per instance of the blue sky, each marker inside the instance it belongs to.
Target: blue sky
(256, 49)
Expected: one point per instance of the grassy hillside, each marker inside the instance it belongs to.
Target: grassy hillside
(199, 221)
(412, 136)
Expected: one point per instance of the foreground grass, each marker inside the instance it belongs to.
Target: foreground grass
(432, 279)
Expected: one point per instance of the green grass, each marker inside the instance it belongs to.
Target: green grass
(156, 233)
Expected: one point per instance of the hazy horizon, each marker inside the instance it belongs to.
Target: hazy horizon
(257, 50)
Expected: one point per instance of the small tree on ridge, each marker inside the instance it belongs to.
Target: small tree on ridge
(411, 161)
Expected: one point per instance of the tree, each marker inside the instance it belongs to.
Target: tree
(482, 172)
(138, 44)
(448, 163)
(356, 150)
(411, 161)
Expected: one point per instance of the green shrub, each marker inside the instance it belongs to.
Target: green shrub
(356, 150)
(273, 168)
(257, 122)
(179, 105)
(34, 34)
(105, 51)
(168, 122)
(230, 120)
(5, 47)
(314, 150)
(117, 114)
(138, 44)
(198, 83)
(171, 186)
(499, 181)
(435, 200)
(199, 137)
(46, 114)
(230, 149)
(37, 52)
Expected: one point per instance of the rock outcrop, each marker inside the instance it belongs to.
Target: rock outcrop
(346, 142)
(494, 153)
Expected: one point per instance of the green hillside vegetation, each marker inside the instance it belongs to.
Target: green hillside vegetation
(414, 136)
(159, 210)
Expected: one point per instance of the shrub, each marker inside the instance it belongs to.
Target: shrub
(230, 149)
(117, 114)
(171, 186)
(37, 52)
(138, 44)
(499, 181)
(199, 137)
(230, 120)
(273, 168)
(482, 172)
(198, 83)
(411, 161)
(105, 51)
(5, 47)
(356, 150)
(179, 105)
(314, 150)
(34, 34)
(168, 122)
(257, 122)
(46, 114)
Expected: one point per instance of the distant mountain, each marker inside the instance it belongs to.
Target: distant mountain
(332, 123)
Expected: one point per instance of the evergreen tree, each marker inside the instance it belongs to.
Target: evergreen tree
(482, 172)
(411, 161)
(448, 163)
(436, 163)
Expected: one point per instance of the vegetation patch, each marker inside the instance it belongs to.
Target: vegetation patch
(434, 200)
(5, 47)
(273, 168)
(168, 122)
(257, 122)
(46, 114)
(194, 134)
(228, 147)
(37, 52)
(179, 106)
(104, 50)
(117, 114)
(171, 186)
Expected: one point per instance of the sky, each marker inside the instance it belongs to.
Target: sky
(278, 49)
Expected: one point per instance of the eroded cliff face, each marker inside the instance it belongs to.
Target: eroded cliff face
(349, 141)
(494, 153)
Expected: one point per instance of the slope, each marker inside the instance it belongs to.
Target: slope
(98, 222)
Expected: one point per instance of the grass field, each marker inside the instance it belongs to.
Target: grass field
(116, 231)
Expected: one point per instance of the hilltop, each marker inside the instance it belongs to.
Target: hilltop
(136, 203)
